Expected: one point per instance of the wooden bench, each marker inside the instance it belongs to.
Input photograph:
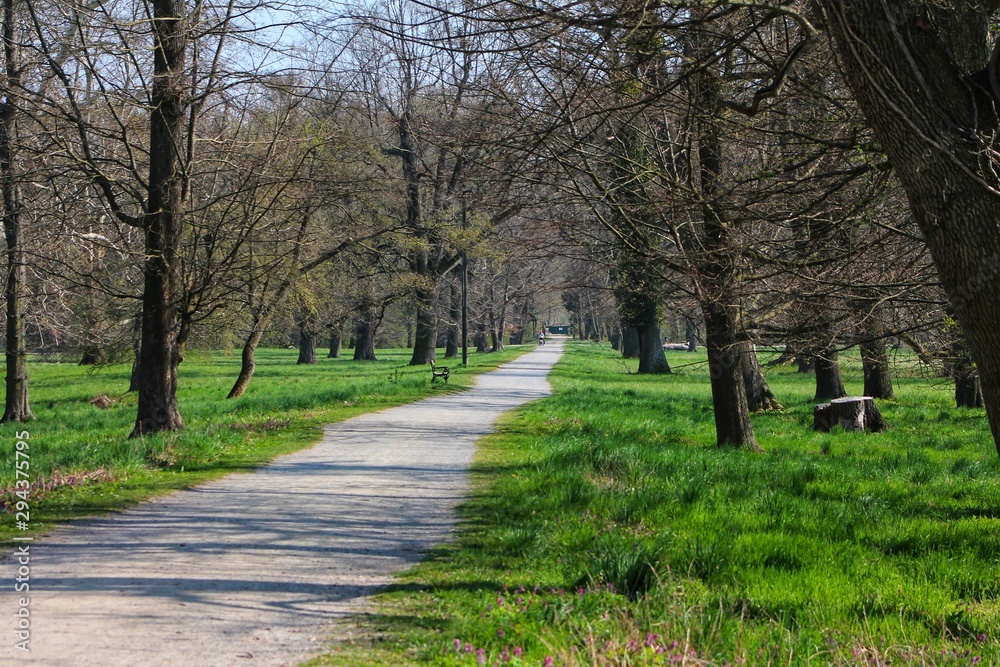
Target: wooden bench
(439, 372)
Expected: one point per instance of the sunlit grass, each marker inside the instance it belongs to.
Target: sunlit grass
(607, 529)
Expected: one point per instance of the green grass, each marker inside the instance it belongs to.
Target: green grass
(606, 528)
(82, 461)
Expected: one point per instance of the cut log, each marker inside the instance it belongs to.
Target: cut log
(853, 413)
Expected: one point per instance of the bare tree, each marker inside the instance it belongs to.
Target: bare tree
(16, 403)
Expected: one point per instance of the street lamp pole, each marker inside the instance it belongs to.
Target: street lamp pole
(465, 289)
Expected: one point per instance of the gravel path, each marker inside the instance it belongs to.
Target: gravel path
(252, 569)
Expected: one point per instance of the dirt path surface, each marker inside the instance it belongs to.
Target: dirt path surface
(251, 569)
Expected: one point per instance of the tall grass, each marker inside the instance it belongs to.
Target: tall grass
(607, 529)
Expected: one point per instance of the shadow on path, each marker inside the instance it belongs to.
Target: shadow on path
(249, 569)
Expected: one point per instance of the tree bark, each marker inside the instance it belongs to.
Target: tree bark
(421, 262)
(717, 276)
(92, 356)
(652, 360)
(630, 342)
(133, 383)
(247, 361)
(307, 346)
(691, 335)
(829, 384)
(874, 355)
(17, 406)
(909, 64)
(639, 310)
(455, 317)
(494, 339)
(729, 397)
(875, 361)
(336, 339)
(805, 363)
(481, 338)
(425, 337)
(968, 391)
(163, 224)
(616, 340)
(759, 394)
(364, 337)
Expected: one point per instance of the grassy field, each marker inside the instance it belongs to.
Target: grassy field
(82, 462)
(607, 529)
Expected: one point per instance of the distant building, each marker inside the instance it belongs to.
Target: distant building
(558, 329)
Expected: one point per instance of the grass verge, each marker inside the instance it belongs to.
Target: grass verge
(82, 462)
(605, 528)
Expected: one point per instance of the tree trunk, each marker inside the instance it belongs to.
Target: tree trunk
(805, 363)
(133, 383)
(336, 338)
(630, 342)
(364, 337)
(308, 339)
(481, 338)
(593, 328)
(652, 360)
(829, 384)
(968, 392)
(501, 327)
(92, 356)
(639, 310)
(759, 394)
(16, 405)
(421, 261)
(454, 316)
(691, 334)
(307, 346)
(729, 397)
(874, 357)
(924, 53)
(518, 338)
(496, 339)
(425, 338)
(247, 361)
(163, 224)
(716, 277)
(875, 361)
(616, 340)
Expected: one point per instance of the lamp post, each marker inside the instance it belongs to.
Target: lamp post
(465, 289)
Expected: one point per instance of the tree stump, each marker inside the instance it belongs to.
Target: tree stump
(853, 413)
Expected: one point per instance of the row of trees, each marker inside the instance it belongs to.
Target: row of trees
(708, 162)
(725, 162)
(172, 171)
